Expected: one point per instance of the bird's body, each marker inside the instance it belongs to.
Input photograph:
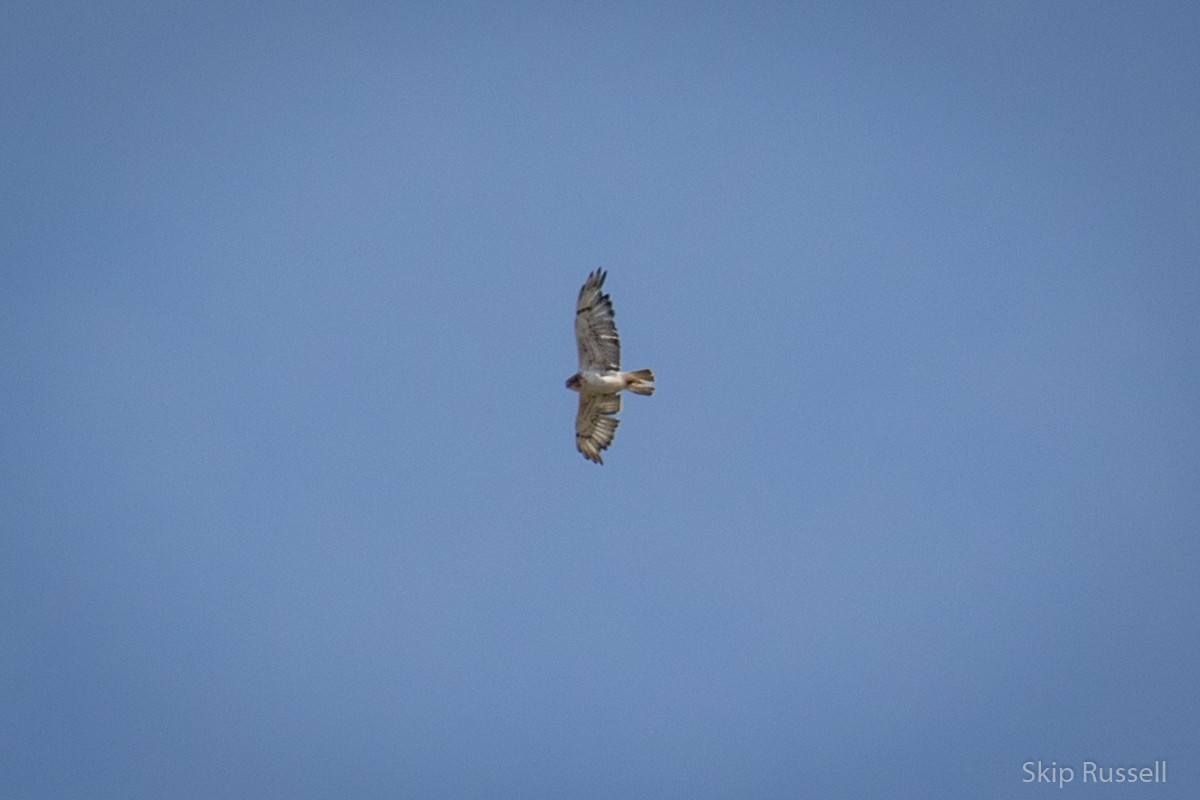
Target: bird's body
(603, 382)
(600, 379)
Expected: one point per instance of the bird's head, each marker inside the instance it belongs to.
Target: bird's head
(573, 382)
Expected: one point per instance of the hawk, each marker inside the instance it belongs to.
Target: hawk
(600, 379)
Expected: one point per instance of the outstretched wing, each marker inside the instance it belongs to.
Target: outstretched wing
(595, 327)
(595, 427)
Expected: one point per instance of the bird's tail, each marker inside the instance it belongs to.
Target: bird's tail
(640, 382)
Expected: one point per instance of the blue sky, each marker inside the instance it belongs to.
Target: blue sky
(289, 496)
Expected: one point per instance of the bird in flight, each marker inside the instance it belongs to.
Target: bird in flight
(600, 379)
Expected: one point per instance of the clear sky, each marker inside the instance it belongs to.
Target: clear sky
(289, 494)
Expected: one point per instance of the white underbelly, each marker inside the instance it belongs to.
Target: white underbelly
(602, 382)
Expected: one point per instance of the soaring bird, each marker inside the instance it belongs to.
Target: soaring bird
(600, 379)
